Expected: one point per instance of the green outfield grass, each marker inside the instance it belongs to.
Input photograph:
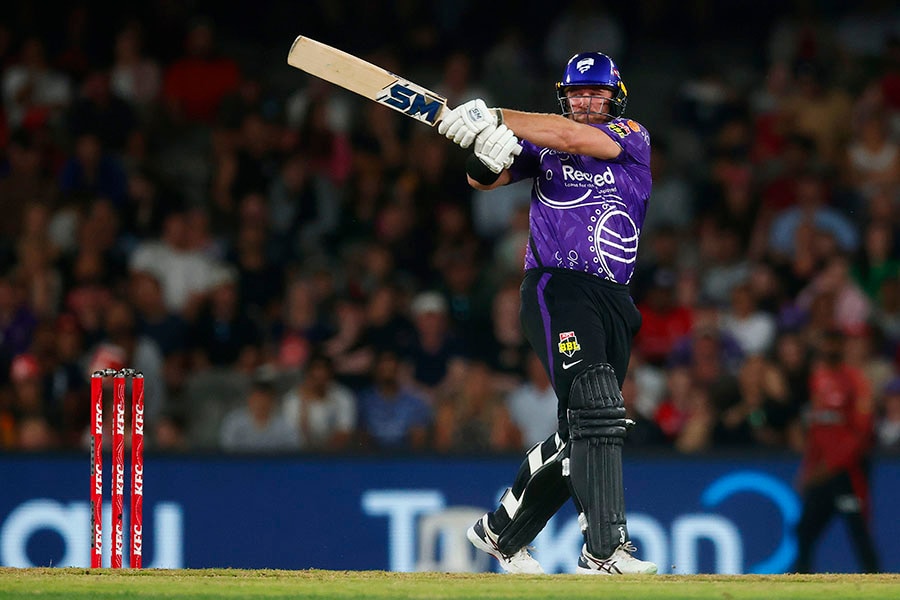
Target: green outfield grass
(78, 584)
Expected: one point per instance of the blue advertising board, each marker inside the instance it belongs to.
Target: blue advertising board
(689, 515)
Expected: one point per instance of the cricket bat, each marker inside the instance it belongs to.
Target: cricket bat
(368, 80)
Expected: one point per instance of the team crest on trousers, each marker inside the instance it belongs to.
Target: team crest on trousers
(568, 343)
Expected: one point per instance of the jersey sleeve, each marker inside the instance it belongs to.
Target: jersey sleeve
(632, 137)
(527, 164)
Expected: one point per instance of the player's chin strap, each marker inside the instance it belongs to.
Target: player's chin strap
(538, 492)
(597, 429)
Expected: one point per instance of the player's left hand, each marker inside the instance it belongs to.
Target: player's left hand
(497, 147)
(466, 121)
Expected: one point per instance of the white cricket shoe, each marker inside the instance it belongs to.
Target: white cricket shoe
(520, 563)
(620, 562)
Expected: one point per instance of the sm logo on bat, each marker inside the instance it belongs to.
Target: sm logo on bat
(409, 99)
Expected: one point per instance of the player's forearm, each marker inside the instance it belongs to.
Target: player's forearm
(560, 133)
(542, 129)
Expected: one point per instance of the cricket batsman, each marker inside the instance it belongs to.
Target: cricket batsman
(590, 172)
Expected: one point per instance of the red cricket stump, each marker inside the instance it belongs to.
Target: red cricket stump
(137, 469)
(96, 469)
(118, 467)
(118, 472)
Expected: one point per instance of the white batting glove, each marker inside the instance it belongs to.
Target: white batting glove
(466, 121)
(497, 147)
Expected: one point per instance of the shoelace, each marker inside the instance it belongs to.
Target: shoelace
(628, 547)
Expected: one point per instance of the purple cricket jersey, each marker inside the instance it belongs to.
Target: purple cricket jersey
(587, 213)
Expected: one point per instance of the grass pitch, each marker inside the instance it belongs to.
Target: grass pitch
(78, 584)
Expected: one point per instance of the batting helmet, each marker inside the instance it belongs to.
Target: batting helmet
(593, 69)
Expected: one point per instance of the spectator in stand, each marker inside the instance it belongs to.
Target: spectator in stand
(664, 321)
(387, 327)
(302, 218)
(195, 83)
(876, 260)
(886, 314)
(864, 348)
(17, 320)
(818, 109)
(707, 340)
(99, 110)
(260, 277)
(471, 416)
(753, 329)
(732, 205)
(792, 357)
(24, 183)
(887, 424)
(321, 410)
(185, 274)
(532, 404)
(93, 170)
(29, 407)
(649, 383)
(392, 417)
(501, 342)
(851, 307)
(57, 348)
(725, 265)
(223, 334)
(712, 355)
(779, 190)
(170, 432)
(699, 422)
(834, 475)
(673, 195)
(436, 351)
(872, 160)
(759, 417)
(252, 164)
(167, 329)
(70, 356)
(665, 251)
(672, 411)
(352, 354)
(468, 296)
(811, 209)
(258, 426)
(34, 93)
(300, 328)
(123, 344)
(38, 278)
(645, 431)
(511, 242)
(134, 76)
(149, 200)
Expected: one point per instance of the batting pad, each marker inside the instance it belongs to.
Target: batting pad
(537, 493)
(597, 428)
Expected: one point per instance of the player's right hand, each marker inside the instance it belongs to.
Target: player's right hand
(497, 147)
(462, 124)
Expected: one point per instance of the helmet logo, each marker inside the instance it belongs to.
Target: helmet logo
(584, 64)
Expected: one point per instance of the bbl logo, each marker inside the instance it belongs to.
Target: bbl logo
(568, 343)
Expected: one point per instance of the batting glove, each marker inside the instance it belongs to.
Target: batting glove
(497, 147)
(466, 121)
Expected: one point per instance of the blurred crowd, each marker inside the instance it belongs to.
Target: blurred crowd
(294, 268)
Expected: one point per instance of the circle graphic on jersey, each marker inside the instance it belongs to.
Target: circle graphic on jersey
(614, 238)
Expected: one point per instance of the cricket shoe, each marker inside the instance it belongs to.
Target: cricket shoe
(520, 563)
(620, 562)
